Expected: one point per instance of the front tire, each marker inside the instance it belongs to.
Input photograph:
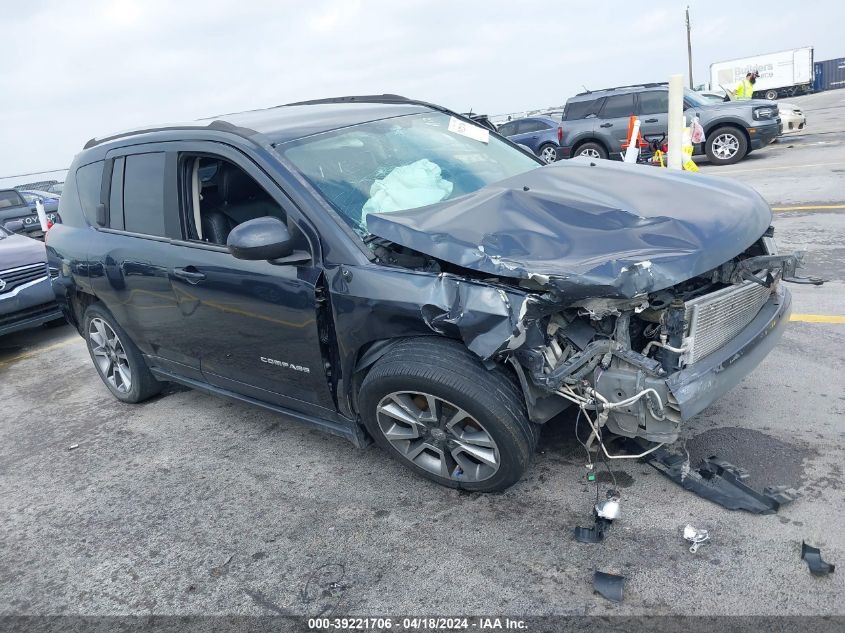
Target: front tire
(726, 146)
(431, 405)
(118, 361)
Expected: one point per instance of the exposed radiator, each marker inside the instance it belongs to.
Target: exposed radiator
(714, 319)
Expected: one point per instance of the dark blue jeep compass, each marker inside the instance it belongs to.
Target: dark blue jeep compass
(385, 269)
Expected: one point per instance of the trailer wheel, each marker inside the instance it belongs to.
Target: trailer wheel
(771, 95)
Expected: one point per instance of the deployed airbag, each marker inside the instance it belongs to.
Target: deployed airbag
(408, 187)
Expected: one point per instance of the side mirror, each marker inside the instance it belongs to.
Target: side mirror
(14, 226)
(261, 238)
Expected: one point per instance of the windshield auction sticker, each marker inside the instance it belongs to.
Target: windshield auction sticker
(465, 129)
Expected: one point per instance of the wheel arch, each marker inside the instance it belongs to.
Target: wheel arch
(539, 405)
(739, 125)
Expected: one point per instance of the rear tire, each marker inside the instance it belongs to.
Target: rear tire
(591, 150)
(771, 95)
(726, 146)
(431, 405)
(119, 362)
(547, 153)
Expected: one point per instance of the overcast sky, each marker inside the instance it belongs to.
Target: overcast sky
(73, 70)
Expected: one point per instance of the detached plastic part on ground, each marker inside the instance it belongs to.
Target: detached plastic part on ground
(813, 556)
(608, 585)
(720, 482)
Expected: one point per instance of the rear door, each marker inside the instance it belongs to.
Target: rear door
(614, 117)
(131, 256)
(653, 111)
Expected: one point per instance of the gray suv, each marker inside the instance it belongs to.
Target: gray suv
(595, 124)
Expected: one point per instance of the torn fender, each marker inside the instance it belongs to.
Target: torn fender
(588, 229)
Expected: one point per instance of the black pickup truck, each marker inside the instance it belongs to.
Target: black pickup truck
(14, 207)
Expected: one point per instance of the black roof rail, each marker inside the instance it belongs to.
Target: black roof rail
(383, 98)
(220, 126)
(643, 85)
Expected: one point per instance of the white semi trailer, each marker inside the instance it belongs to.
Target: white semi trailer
(782, 74)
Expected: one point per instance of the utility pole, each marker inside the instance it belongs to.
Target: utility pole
(689, 50)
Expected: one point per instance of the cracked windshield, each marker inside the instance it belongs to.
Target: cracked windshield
(403, 163)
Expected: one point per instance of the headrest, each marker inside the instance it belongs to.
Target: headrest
(234, 185)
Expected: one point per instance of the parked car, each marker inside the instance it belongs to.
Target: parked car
(792, 117)
(26, 294)
(49, 200)
(382, 268)
(595, 124)
(481, 119)
(540, 134)
(14, 207)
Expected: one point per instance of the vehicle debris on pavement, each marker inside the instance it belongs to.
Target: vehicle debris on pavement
(608, 585)
(813, 556)
(695, 536)
(609, 508)
(720, 482)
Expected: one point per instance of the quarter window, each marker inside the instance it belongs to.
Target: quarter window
(89, 180)
(143, 194)
(581, 109)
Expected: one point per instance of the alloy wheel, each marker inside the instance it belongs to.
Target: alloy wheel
(725, 146)
(590, 152)
(438, 436)
(549, 155)
(109, 355)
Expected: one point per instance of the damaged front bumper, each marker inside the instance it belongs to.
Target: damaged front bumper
(686, 392)
(697, 386)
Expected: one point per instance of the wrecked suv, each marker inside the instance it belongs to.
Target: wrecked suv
(382, 268)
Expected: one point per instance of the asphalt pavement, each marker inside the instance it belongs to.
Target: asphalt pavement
(189, 504)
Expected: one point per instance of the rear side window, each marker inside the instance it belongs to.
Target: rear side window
(581, 109)
(654, 102)
(143, 194)
(10, 198)
(618, 106)
(89, 180)
(533, 126)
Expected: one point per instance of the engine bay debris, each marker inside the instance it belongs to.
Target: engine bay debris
(608, 585)
(720, 482)
(695, 536)
(813, 556)
(593, 534)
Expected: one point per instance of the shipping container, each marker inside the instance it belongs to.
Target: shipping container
(829, 74)
(782, 74)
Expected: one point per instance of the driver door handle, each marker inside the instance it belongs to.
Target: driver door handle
(606, 125)
(189, 274)
(651, 120)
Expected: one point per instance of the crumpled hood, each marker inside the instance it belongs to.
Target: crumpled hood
(588, 228)
(18, 250)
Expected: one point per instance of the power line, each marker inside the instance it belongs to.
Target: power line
(35, 173)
